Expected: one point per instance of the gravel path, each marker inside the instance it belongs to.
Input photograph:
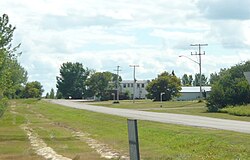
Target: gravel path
(197, 121)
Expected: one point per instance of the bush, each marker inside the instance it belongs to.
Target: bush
(3, 106)
(230, 89)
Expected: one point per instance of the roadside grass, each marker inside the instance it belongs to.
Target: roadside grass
(56, 137)
(147, 104)
(238, 110)
(178, 107)
(157, 140)
(13, 141)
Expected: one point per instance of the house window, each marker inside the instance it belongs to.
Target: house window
(128, 84)
(138, 85)
(132, 84)
(142, 85)
(124, 85)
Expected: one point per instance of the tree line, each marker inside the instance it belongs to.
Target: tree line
(13, 77)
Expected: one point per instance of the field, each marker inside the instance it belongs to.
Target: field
(181, 107)
(79, 134)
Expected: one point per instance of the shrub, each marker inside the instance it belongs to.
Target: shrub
(238, 111)
(3, 105)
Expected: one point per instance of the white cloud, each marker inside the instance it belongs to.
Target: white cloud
(104, 34)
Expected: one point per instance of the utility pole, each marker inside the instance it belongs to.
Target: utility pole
(199, 53)
(117, 84)
(134, 82)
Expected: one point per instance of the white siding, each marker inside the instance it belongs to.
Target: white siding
(247, 75)
(140, 88)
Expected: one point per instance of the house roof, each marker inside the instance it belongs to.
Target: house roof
(195, 89)
(247, 75)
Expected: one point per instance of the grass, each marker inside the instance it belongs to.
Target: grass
(178, 107)
(238, 111)
(148, 104)
(13, 141)
(157, 140)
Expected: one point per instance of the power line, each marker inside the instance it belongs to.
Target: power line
(199, 54)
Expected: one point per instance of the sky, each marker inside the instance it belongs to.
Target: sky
(103, 34)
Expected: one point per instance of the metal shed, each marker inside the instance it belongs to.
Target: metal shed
(193, 92)
(247, 75)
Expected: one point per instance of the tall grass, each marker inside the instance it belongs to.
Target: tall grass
(238, 111)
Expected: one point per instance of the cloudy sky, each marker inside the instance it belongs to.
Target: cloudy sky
(102, 34)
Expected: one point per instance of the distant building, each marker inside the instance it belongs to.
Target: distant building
(247, 75)
(187, 93)
(140, 88)
(193, 92)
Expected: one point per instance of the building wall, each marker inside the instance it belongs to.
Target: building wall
(247, 75)
(140, 88)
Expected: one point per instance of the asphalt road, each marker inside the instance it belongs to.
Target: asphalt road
(188, 120)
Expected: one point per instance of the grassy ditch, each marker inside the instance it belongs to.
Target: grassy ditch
(54, 123)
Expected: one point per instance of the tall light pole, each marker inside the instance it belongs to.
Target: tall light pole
(134, 81)
(199, 69)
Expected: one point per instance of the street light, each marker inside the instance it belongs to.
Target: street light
(199, 63)
(162, 93)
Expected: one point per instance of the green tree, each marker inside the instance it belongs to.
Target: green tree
(164, 83)
(196, 81)
(190, 80)
(52, 94)
(187, 80)
(33, 90)
(47, 95)
(184, 80)
(213, 78)
(12, 75)
(231, 88)
(71, 82)
(101, 84)
(17, 78)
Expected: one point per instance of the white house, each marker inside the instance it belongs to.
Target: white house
(140, 88)
(193, 92)
(247, 75)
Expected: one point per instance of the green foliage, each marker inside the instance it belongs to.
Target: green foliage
(165, 83)
(52, 94)
(196, 81)
(12, 74)
(72, 79)
(214, 77)
(101, 84)
(3, 105)
(33, 90)
(187, 80)
(231, 88)
(59, 95)
(237, 110)
(47, 95)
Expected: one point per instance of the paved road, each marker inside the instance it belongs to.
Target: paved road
(197, 121)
